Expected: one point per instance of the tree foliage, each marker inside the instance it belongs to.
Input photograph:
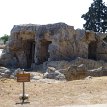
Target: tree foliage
(96, 17)
(4, 38)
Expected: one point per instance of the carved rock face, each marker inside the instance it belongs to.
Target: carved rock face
(35, 44)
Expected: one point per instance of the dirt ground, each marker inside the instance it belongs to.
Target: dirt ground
(54, 93)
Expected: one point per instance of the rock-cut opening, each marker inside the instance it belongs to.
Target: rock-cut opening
(44, 54)
(92, 48)
(30, 51)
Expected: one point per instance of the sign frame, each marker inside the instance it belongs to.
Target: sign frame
(23, 77)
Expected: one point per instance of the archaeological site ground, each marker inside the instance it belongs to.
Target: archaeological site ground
(68, 66)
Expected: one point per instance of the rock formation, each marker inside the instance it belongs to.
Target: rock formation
(78, 68)
(31, 45)
(5, 72)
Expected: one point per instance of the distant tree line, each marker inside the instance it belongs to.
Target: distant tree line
(96, 17)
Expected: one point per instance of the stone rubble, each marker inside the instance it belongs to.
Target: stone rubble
(5, 72)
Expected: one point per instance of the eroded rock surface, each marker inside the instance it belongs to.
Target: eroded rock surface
(30, 45)
(76, 69)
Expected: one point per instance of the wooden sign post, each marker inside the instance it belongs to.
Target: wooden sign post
(23, 77)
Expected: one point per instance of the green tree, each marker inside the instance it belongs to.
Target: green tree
(96, 17)
(4, 38)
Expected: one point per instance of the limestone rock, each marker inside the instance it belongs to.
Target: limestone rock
(88, 63)
(88, 78)
(75, 73)
(30, 45)
(79, 68)
(52, 73)
(95, 72)
(8, 60)
(17, 71)
(5, 72)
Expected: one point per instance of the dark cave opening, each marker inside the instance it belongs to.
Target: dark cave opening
(30, 51)
(92, 48)
(44, 54)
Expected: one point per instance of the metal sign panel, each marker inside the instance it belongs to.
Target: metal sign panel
(24, 77)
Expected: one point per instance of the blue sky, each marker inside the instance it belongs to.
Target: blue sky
(14, 12)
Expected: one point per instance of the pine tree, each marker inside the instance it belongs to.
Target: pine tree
(96, 17)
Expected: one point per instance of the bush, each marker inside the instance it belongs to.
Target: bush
(4, 38)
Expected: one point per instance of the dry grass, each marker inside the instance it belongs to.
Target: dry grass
(43, 94)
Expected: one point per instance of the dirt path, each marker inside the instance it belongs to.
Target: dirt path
(44, 94)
